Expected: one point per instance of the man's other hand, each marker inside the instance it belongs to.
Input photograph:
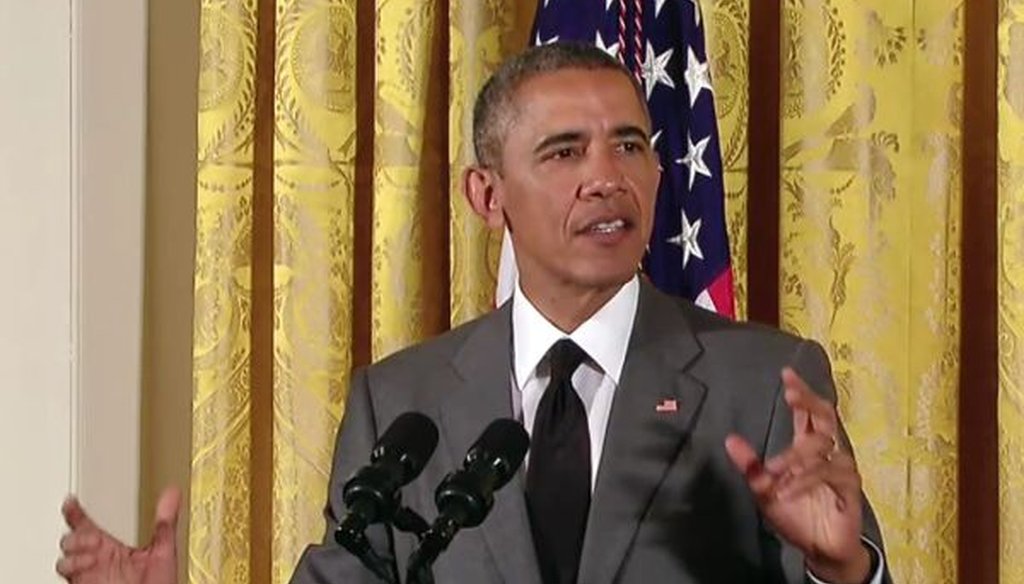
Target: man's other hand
(811, 492)
(90, 555)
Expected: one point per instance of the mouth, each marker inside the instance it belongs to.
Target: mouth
(606, 228)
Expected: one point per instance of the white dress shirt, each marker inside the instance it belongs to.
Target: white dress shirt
(605, 338)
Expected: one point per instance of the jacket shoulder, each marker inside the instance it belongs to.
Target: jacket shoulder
(731, 343)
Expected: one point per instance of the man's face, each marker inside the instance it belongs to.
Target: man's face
(578, 180)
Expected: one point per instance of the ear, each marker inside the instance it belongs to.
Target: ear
(482, 189)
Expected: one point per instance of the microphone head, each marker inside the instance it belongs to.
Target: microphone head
(502, 446)
(410, 440)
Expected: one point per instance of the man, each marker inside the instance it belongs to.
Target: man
(649, 417)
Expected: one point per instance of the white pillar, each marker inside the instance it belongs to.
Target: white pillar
(72, 176)
(111, 166)
(36, 286)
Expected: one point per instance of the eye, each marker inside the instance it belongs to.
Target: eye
(631, 147)
(563, 153)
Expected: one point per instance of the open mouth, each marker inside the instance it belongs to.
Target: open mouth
(606, 226)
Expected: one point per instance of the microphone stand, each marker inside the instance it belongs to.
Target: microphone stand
(465, 497)
(433, 542)
(351, 535)
(409, 521)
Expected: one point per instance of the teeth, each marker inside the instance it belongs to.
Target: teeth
(609, 226)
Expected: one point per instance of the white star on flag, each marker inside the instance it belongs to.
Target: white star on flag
(654, 146)
(696, 11)
(694, 159)
(696, 76)
(654, 69)
(612, 50)
(658, 4)
(608, 5)
(539, 42)
(705, 301)
(687, 239)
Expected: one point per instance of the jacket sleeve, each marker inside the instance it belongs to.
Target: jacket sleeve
(811, 363)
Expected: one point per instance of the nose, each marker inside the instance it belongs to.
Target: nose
(604, 177)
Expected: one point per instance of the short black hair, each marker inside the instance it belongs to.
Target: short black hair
(494, 108)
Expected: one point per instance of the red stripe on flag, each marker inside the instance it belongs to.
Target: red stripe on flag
(720, 291)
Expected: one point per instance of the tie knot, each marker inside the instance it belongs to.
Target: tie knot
(564, 358)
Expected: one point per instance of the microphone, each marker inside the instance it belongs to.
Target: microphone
(372, 494)
(465, 497)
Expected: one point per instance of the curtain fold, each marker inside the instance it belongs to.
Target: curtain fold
(728, 49)
(870, 212)
(1010, 100)
(481, 35)
(219, 535)
(409, 299)
(314, 177)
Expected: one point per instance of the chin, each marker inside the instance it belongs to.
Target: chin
(607, 278)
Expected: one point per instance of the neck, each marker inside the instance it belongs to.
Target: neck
(569, 307)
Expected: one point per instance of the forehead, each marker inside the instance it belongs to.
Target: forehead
(578, 97)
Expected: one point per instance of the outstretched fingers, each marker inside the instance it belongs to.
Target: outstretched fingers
(811, 412)
(79, 550)
(71, 566)
(806, 453)
(839, 474)
(79, 543)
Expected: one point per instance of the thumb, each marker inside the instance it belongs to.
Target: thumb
(168, 508)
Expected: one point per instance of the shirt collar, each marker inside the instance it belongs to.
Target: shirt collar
(604, 336)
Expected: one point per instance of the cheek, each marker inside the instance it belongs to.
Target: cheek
(547, 202)
(531, 213)
(645, 185)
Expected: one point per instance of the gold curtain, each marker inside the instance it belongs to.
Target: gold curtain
(1011, 290)
(420, 64)
(728, 49)
(870, 217)
(481, 35)
(870, 238)
(314, 161)
(219, 509)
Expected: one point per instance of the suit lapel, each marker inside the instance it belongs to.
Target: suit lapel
(484, 365)
(641, 442)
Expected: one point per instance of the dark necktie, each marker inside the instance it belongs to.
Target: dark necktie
(558, 479)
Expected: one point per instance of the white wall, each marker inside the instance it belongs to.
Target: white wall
(72, 168)
(35, 286)
(111, 154)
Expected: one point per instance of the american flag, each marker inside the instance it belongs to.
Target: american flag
(662, 42)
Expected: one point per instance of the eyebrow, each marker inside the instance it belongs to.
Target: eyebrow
(570, 137)
(631, 131)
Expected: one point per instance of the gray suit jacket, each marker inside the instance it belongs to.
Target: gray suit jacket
(668, 505)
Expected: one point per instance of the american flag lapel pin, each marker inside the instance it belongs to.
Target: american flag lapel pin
(667, 406)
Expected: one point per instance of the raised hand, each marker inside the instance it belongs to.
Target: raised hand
(93, 556)
(811, 492)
